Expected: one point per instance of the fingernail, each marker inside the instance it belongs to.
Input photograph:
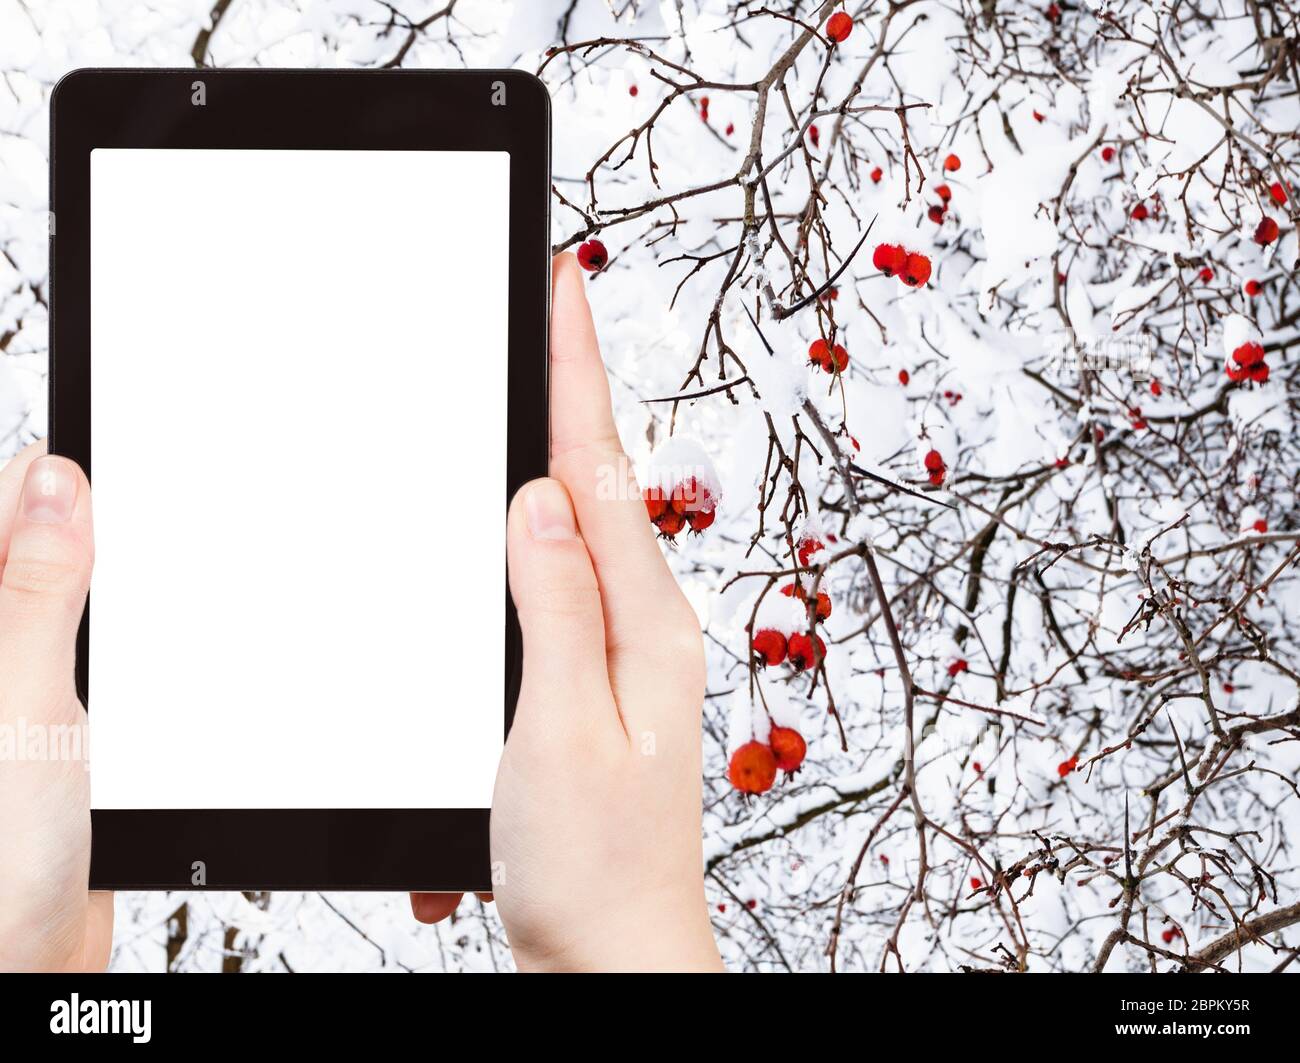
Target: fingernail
(50, 491)
(549, 511)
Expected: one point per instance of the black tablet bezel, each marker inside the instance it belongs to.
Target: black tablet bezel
(492, 110)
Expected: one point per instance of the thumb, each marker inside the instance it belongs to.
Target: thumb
(44, 582)
(558, 601)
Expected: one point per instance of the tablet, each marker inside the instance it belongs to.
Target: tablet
(298, 344)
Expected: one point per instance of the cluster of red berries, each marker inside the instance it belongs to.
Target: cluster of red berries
(592, 256)
(690, 502)
(827, 358)
(838, 27)
(935, 467)
(704, 108)
(801, 649)
(911, 267)
(754, 765)
(1066, 766)
(1247, 363)
(1168, 935)
(939, 211)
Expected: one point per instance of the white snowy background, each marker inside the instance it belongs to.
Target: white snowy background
(1093, 553)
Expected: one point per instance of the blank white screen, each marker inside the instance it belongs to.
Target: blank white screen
(298, 451)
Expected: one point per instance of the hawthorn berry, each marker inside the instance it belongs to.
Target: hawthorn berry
(1248, 354)
(805, 652)
(876, 175)
(952, 164)
(632, 90)
(1168, 936)
(795, 590)
(937, 214)
(957, 667)
(1277, 192)
(838, 27)
(916, 270)
(831, 359)
(1140, 212)
(933, 461)
(814, 137)
(670, 523)
(1156, 389)
(889, 258)
(822, 608)
(1053, 13)
(943, 192)
(655, 503)
(975, 882)
(1038, 116)
(1260, 526)
(701, 518)
(731, 128)
(1253, 288)
(770, 646)
(1066, 766)
(753, 768)
(904, 377)
(979, 768)
(1107, 153)
(807, 546)
(1206, 274)
(1265, 232)
(789, 748)
(592, 256)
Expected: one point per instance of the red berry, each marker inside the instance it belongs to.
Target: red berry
(795, 590)
(1260, 526)
(1248, 354)
(632, 91)
(822, 609)
(904, 377)
(1140, 212)
(889, 258)
(814, 136)
(936, 214)
(1228, 688)
(975, 883)
(804, 652)
(722, 907)
(753, 768)
(936, 477)
(884, 859)
(876, 175)
(1107, 153)
(1236, 373)
(1206, 274)
(655, 503)
(979, 769)
(592, 256)
(952, 164)
(1038, 116)
(957, 667)
(1053, 13)
(1169, 935)
(789, 748)
(770, 646)
(731, 128)
(1066, 766)
(1265, 232)
(807, 547)
(838, 27)
(916, 270)
(933, 460)
(943, 192)
(751, 904)
(1253, 288)
(700, 519)
(1258, 373)
(670, 523)
(1156, 389)
(1277, 192)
